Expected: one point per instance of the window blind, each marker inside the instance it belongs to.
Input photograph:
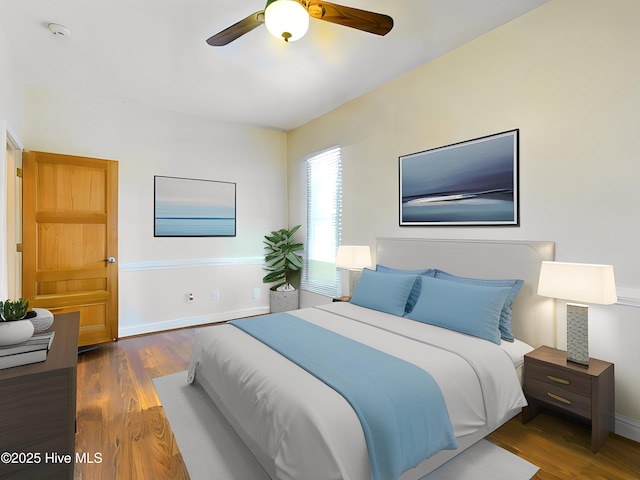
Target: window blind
(324, 223)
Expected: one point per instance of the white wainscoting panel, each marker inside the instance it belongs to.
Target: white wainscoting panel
(162, 295)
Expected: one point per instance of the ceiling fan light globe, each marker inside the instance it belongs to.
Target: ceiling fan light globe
(286, 20)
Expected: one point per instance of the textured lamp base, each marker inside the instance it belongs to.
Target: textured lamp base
(578, 333)
(354, 278)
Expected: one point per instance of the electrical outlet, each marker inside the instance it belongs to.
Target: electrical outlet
(215, 296)
(256, 293)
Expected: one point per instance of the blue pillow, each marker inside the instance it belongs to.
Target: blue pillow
(505, 314)
(415, 291)
(430, 272)
(386, 292)
(463, 307)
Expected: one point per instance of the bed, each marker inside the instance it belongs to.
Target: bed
(300, 428)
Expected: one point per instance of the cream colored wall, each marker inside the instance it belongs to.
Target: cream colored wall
(567, 75)
(157, 274)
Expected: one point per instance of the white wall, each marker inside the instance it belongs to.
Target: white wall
(10, 92)
(157, 274)
(10, 131)
(567, 75)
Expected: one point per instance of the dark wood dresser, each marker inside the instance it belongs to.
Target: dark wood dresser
(38, 410)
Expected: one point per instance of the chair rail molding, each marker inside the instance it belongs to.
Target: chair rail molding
(628, 296)
(189, 263)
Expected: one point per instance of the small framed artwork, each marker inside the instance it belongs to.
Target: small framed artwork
(188, 207)
(470, 183)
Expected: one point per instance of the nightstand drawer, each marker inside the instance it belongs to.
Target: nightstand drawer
(559, 397)
(558, 377)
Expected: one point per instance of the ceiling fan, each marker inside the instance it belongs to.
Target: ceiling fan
(289, 20)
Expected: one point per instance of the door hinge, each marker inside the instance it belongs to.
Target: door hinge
(19, 172)
(19, 247)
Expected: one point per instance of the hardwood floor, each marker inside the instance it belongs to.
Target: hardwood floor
(561, 448)
(122, 427)
(118, 413)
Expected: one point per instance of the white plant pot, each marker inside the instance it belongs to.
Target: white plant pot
(283, 301)
(42, 321)
(15, 332)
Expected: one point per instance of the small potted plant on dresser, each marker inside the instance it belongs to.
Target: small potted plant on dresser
(13, 329)
(283, 264)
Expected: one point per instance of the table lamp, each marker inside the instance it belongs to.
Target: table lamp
(353, 258)
(578, 282)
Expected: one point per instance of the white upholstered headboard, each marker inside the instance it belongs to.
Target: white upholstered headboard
(533, 316)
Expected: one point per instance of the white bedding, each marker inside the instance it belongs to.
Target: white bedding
(516, 351)
(305, 429)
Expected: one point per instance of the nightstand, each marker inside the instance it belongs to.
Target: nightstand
(586, 392)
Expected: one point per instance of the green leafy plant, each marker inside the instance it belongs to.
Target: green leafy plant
(13, 310)
(281, 257)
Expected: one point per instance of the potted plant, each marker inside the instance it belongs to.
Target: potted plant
(283, 264)
(13, 329)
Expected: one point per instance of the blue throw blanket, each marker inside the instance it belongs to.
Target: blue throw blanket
(400, 406)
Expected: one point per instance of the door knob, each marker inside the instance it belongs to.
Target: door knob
(110, 260)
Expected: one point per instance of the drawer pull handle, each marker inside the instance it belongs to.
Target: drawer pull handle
(558, 380)
(559, 398)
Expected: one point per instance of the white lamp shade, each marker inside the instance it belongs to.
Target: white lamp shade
(353, 257)
(286, 20)
(578, 282)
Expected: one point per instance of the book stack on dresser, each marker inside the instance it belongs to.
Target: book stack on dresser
(33, 350)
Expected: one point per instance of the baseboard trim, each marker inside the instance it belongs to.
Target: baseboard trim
(628, 427)
(189, 321)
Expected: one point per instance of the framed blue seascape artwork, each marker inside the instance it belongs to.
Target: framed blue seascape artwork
(187, 207)
(474, 182)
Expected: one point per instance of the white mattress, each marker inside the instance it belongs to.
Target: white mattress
(301, 428)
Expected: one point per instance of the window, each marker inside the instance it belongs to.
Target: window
(324, 223)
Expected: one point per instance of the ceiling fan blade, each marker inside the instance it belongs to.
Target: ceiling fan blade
(364, 20)
(236, 30)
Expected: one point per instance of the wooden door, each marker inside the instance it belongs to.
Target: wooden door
(70, 240)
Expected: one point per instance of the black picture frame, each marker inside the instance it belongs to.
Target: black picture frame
(469, 183)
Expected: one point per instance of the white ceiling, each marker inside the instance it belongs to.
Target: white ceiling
(153, 52)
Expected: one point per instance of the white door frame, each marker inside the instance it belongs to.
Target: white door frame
(11, 157)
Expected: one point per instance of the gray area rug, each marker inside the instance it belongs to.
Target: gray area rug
(212, 450)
